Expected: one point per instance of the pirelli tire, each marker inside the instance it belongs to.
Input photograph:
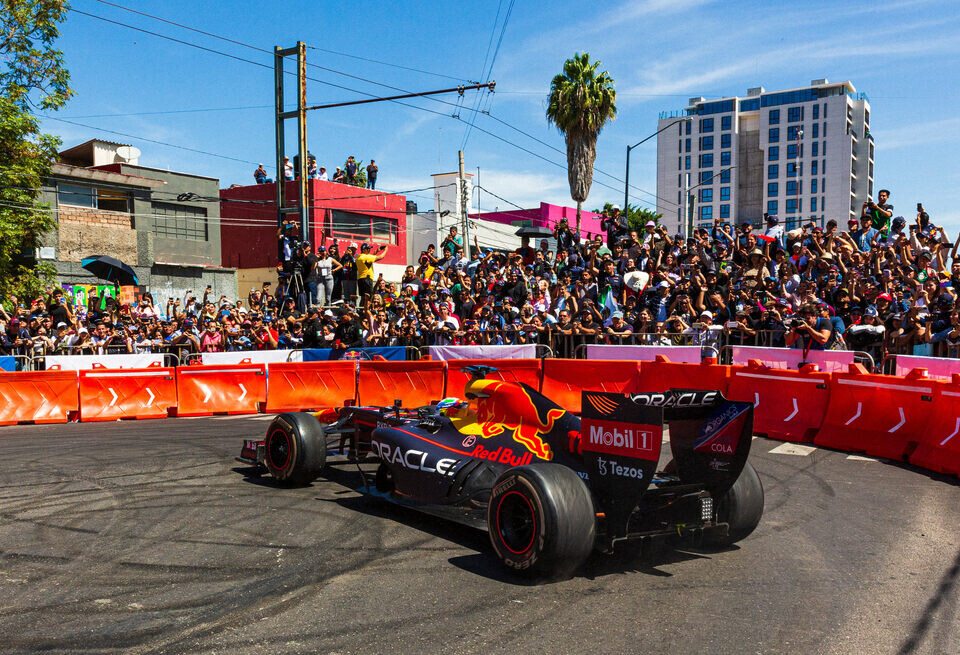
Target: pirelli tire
(740, 507)
(542, 520)
(295, 448)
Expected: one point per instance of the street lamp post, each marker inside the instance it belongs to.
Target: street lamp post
(626, 184)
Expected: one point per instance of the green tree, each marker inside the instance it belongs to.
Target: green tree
(581, 101)
(33, 75)
(637, 216)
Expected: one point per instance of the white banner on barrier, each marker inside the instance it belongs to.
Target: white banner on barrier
(86, 362)
(483, 352)
(829, 361)
(676, 354)
(255, 357)
(939, 368)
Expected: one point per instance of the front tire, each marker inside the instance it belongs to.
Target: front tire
(741, 507)
(295, 448)
(541, 519)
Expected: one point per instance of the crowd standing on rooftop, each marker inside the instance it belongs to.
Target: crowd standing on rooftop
(884, 284)
(346, 175)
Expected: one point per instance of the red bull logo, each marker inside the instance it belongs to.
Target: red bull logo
(509, 407)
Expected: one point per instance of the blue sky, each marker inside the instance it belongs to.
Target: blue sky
(902, 53)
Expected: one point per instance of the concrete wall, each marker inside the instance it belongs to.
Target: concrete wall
(750, 173)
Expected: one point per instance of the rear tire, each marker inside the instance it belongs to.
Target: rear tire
(296, 448)
(741, 507)
(541, 519)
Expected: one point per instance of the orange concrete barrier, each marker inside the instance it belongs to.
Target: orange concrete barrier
(564, 379)
(107, 395)
(226, 389)
(308, 386)
(880, 415)
(415, 383)
(662, 375)
(38, 397)
(526, 371)
(787, 405)
(938, 448)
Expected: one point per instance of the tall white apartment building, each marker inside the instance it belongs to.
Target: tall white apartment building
(800, 154)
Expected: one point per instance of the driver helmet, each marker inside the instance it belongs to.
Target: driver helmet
(450, 406)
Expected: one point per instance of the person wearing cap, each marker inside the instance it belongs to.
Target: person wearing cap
(616, 225)
(865, 236)
(347, 290)
(365, 263)
(774, 231)
(260, 175)
(566, 239)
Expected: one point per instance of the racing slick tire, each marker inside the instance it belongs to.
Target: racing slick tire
(295, 448)
(741, 507)
(541, 519)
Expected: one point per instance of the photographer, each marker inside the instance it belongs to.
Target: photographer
(566, 239)
(879, 212)
(365, 263)
(615, 224)
(807, 330)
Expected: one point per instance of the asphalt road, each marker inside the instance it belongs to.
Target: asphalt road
(145, 537)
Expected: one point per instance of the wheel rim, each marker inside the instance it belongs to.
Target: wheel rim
(278, 449)
(516, 522)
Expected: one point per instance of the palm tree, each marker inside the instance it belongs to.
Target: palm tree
(581, 102)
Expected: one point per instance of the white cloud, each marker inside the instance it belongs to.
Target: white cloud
(920, 133)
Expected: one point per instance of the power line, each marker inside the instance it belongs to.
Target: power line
(172, 111)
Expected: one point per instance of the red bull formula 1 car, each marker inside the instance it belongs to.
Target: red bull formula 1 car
(548, 485)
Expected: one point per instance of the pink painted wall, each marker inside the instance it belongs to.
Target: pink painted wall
(547, 215)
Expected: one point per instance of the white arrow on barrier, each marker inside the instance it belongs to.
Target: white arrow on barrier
(855, 416)
(796, 410)
(207, 395)
(756, 399)
(115, 396)
(956, 429)
(150, 402)
(244, 394)
(900, 424)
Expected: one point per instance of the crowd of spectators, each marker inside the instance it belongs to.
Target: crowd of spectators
(882, 285)
(348, 174)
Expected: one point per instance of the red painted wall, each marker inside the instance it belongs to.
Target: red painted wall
(248, 228)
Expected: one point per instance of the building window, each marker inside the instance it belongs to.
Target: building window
(85, 196)
(813, 185)
(824, 112)
(347, 225)
(706, 213)
(679, 163)
(774, 117)
(706, 143)
(725, 158)
(726, 122)
(686, 162)
(680, 145)
(706, 160)
(792, 151)
(792, 188)
(179, 221)
(823, 149)
(793, 169)
(772, 188)
(706, 195)
(724, 211)
(771, 206)
(725, 176)
(773, 171)
(814, 148)
(794, 132)
(823, 204)
(725, 140)
(813, 204)
(688, 126)
(813, 167)
(816, 112)
(773, 135)
(791, 205)
(724, 193)
(794, 114)
(706, 177)
(688, 145)
(773, 153)
(706, 125)
(815, 130)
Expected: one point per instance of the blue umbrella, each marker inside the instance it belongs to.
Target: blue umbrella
(110, 269)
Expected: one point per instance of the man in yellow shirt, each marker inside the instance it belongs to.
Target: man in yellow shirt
(365, 271)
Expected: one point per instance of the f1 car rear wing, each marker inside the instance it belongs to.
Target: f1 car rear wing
(621, 437)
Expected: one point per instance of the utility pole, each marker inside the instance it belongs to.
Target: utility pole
(626, 181)
(686, 206)
(463, 209)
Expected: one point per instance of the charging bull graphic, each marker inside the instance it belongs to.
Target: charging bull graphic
(508, 406)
